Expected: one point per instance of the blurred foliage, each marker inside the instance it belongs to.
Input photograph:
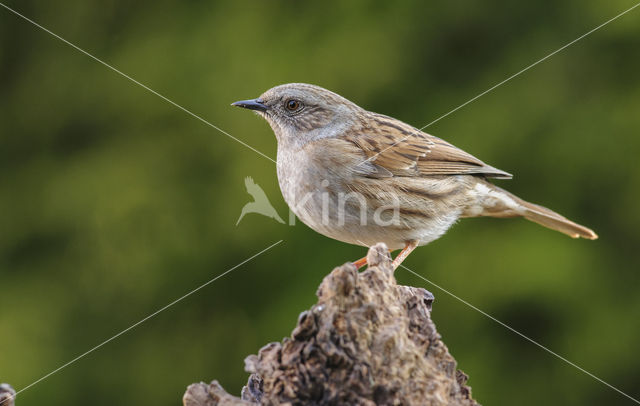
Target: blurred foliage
(113, 202)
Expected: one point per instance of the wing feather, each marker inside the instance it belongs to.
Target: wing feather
(406, 151)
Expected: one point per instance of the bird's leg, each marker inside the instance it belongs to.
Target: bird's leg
(411, 245)
(360, 263)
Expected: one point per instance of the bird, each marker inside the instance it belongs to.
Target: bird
(260, 205)
(361, 177)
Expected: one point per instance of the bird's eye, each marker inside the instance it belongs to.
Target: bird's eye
(292, 105)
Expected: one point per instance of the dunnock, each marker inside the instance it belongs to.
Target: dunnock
(362, 177)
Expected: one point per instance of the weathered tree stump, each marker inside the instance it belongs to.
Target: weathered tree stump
(7, 395)
(368, 341)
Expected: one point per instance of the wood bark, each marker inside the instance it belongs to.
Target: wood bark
(7, 395)
(367, 341)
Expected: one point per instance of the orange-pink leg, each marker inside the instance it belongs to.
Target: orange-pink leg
(360, 263)
(411, 245)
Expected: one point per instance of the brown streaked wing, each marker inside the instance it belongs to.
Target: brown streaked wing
(406, 151)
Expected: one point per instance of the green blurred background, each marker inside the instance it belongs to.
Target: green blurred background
(113, 202)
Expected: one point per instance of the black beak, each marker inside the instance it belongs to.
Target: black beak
(255, 104)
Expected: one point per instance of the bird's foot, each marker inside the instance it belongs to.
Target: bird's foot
(360, 263)
(411, 245)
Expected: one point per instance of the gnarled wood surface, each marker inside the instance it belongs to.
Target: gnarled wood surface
(7, 395)
(368, 341)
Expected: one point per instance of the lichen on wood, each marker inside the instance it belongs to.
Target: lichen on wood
(7, 395)
(368, 341)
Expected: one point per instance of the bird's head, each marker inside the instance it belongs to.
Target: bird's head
(299, 112)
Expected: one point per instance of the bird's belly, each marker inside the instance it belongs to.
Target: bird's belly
(365, 226)
(328, 206)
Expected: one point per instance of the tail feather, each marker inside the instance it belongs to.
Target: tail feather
(498, 202)
(554, 221)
